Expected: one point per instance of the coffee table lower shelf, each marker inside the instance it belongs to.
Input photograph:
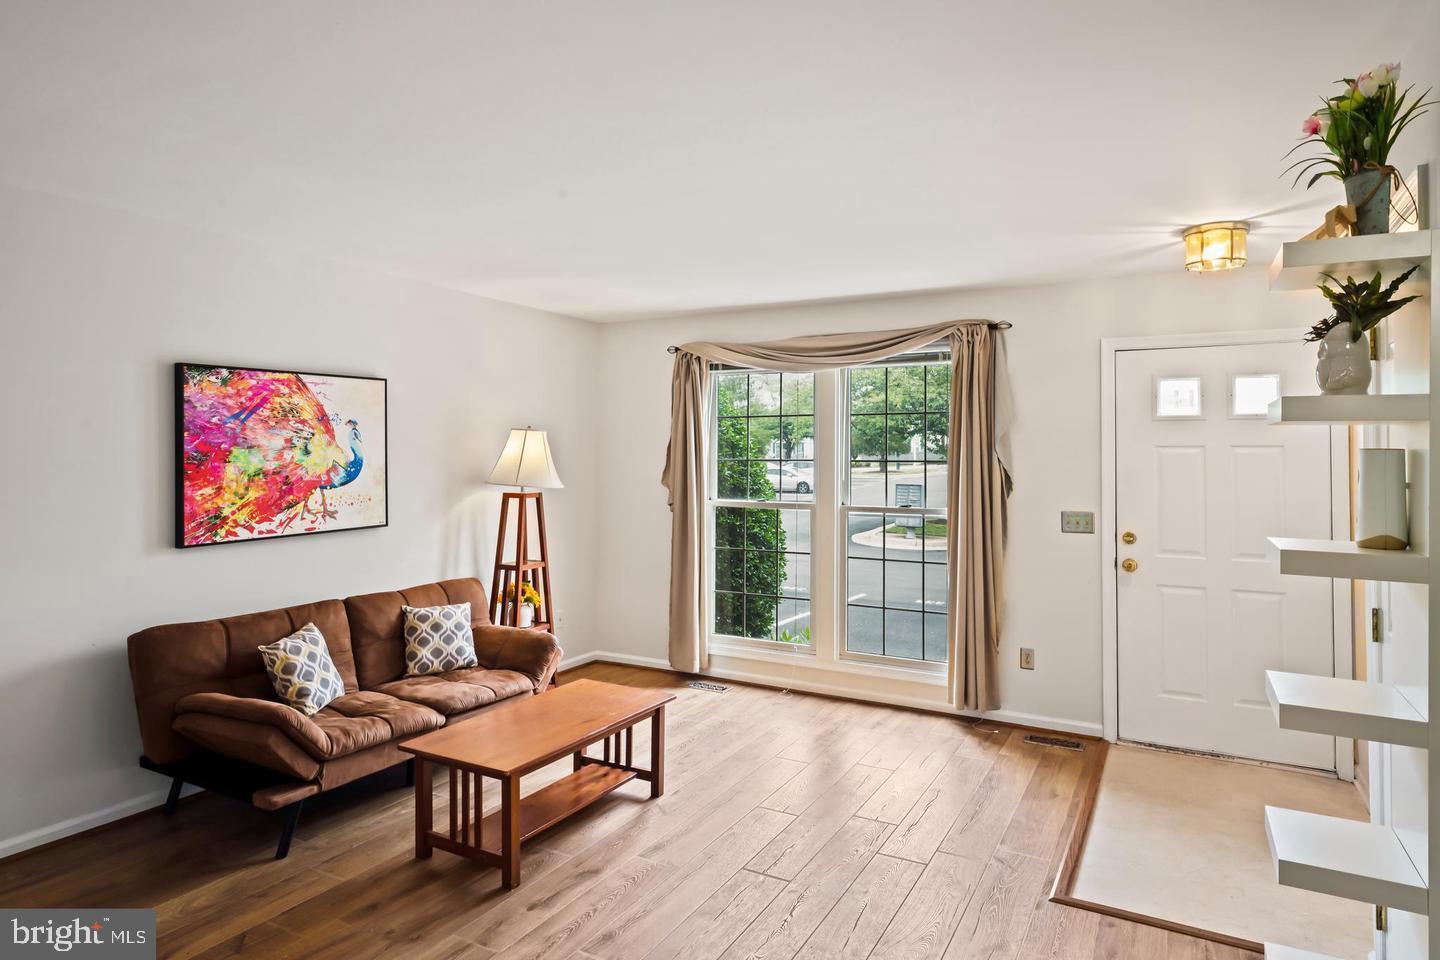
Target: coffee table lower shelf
(539, 812)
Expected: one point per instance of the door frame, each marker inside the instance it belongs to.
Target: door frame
(1343, 642)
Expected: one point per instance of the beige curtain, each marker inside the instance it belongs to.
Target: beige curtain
(979, 481)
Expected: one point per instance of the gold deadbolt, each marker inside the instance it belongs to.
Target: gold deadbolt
(1128, 536)
(1129, 566)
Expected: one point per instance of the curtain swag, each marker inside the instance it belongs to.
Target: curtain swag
(980, 481)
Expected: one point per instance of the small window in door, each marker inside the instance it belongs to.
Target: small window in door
(1252, 393)
(1177, 398)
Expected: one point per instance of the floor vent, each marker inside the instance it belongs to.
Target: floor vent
(712, 687)
(1060, 742)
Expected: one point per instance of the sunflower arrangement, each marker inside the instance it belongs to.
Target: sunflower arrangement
(528, 594)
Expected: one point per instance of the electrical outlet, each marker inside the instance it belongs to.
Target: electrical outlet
(1027, 658)
(1077, 521)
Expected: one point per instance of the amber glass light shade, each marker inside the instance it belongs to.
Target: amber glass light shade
(1216, 246)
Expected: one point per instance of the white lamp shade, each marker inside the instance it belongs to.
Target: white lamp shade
(526, 461)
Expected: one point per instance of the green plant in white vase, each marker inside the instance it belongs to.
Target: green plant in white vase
(1344, 356)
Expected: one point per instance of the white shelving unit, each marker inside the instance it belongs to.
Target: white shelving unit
(1367, 862)
(1344, 858)
(1361, 408)
(1300, 264)
(1376, 712)
(1346, 560)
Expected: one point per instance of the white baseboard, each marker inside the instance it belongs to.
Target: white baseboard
(86, 821)
(1059, 724)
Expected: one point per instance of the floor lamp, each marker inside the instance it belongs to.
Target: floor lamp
(525, 462)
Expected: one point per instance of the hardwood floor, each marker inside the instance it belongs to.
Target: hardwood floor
(792, 826)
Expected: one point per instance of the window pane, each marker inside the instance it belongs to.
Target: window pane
(760, 617)
(904, 537)
(906, 389)
(730, 394)
(936, 643)
(797, 393)
(865, 536)
(762, 530)
(729, 527)
(797, 438)
(762, 476)
(1177, 397)
(907, 486)
(796, 524)
(765, 438)
(935, 531)
(937, 437)
(937, 387)
(730, 570)
(867, 483)
(731, 438)
(1251, 394)
(903, 588)
(937, 577)
(764, 393)
(865, 582)
(762, 573)
(864, 630)
(729, 614)
(904, 634)
(797, 479)
(793, 625)
(867, 437)
(905, 436)
(734, 480)
(867, 390)
(796, 575)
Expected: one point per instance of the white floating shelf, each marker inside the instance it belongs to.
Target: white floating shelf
(1342, 558)
(1345, 708)
(1344, 858)
(1273, 951)
(1361, 408)
(1300, 263)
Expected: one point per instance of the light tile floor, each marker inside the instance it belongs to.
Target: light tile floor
(1183, 838)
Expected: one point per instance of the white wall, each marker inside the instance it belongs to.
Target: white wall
(1054, 578)
(96, 305)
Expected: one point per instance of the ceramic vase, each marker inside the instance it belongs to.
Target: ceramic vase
(1380, 514)
(527, 615)
(1344, 364)
(1373, 216)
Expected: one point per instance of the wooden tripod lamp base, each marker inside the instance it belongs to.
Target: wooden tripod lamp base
(524, 568)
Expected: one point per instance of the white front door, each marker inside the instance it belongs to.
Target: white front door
(1201, 481)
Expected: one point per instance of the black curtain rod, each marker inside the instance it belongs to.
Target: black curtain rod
(993, 325)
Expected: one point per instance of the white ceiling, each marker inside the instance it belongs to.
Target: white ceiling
(614, 159)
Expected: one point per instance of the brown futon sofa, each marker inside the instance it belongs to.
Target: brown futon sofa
(209, 716)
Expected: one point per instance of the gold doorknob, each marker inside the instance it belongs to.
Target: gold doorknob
(1129, 566)
(1128, 536)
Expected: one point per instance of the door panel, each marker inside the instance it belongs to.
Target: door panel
(1204, 614)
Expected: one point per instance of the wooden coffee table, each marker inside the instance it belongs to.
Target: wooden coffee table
(515, 738)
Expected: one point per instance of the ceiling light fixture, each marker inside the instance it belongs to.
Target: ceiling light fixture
(1216, 246)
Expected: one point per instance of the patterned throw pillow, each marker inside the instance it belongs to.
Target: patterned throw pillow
(301, 670)
(438, 639)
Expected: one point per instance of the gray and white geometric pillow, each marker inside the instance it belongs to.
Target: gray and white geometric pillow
(438, 639)
(301, 670)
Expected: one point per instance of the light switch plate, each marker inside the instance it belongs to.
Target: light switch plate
(1027, 658)
(1077, 521)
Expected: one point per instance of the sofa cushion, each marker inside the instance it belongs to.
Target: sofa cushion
(377, 623)
(301, 670)
(348, 724)
(438, 639)
(458, 691)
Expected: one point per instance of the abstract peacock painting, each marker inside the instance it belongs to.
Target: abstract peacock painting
(273, 453)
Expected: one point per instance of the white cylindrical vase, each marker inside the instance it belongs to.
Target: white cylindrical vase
(1380, 514)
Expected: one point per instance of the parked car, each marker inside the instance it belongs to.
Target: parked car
(788, 478)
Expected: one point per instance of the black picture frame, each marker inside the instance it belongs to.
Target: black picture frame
(180, 381)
